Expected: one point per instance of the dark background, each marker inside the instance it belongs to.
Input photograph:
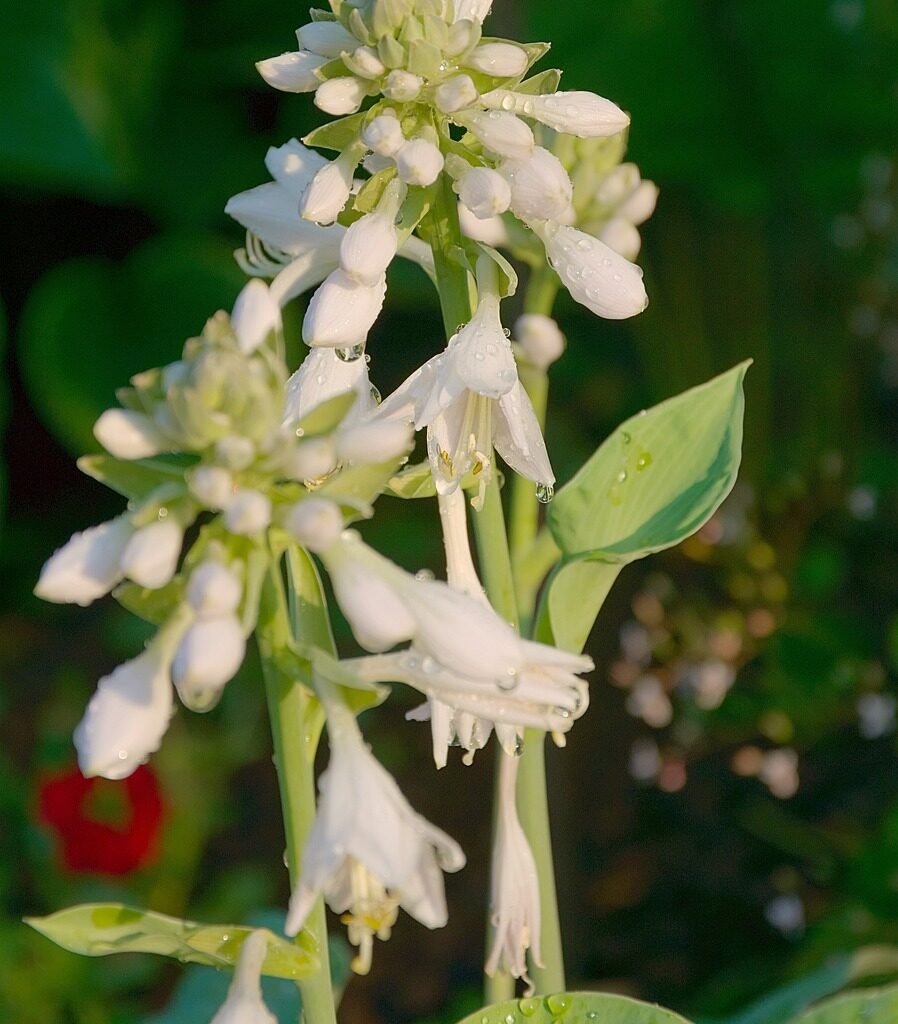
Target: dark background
(771, 130)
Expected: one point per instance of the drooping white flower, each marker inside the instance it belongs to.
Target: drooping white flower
(500, 60)
(128, 434)
(87, 566)
(255, 316)
(150, 557)
(368, 852)
(373, 441)
(514, 890)
(341, 96)
(419, 162)
(596, 276)
(540, 186)
(292, 72)
(501, 132)
(583, 114)
(370, 243)
(244, 1004)
(208, 657)
(539, 339)
(328, 192)
(342, 311)
(484, 192)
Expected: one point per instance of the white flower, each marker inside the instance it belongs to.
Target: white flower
(340, 96)
(255, 316)
(292, 72)
(402, 86)
(374, 441)
(316, 523)
(87, 566)
(248, 513)
(540, 186)
(370, 243)
(383, 135)
(472, 10)
(470, 399)
(313, 459)
(501, 132)
(327, 38)
(621, 236)
(342, 311)
(484, 192)
(128, 434)
(368, 852)
(596, 276)
(492, 231)
(572, 113)
(324, 375)
(212, 486)
(455, 94)
(514, 891)
(539, 338)
(207, 658)
(365, 63)
(419, 162)
(127, 716)
(151, 555)
(213, 590)
(328, 192)
(499, 60)
(244, 1004)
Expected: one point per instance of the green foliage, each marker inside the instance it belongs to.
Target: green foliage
(101, 929)
(576, 1008)
(873, 1006)
(657, 479)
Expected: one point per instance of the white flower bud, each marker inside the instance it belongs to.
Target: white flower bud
(212, 486)
(368, 248)
(539, 338)
(87, 566)
(463, 34)
(640, 204)
(328, 192)
(595, 275)
(491, 232)
(501, 132)
(244, 1004)
(316, 523)
(573, 113)
(214, 590)
(327, 38)
(313, 459)
(127, 434)
(235, 452)
(208, 657)
(365, 63)
(419, 162)
(374, 441)
(248, 513)
(292, 72)
(383, 135)
(540, 186)
(151, 555)
(339, 96)
(621, 236)
(499, 60)
(402, 86)
(342, 311)
(484, 192)
(618, 184)
(472, 10)
(256, 315)
(455, 94)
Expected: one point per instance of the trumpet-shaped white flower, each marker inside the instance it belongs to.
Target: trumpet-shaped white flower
(540, 186)
(128, 434)
(573, 113)
(368, 852)
(151, 555)
(470, 399)
(596, 276)
(514, 893)
(87, 566)
(244, 1004)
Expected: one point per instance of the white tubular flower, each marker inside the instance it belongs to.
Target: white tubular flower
(539, 338)
(207, 658)
(324, 375)
(328, 192)
(326, 38)
(244, 1004)
(292, 72)
(150, 557)
(248, 513)
(595, 275)
(472, 10)
(370, 243)
(127, 434)
(499, 60)
(368, 852)
(340, 96)
(214, 590)
(455, 94)
(342, 311)
(484, 192)
(419, 162)
(212, 486)
(255, 316)
(540, 186)
(383, 135)
(492, 231)
(87, 566)
(127, 716)
(501, 133)
(402, 86)
(572, 113)
(514, 891)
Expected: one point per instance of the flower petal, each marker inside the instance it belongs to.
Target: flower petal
(87, 566)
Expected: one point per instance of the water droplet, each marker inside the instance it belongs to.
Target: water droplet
(300, 432)
(617, 277)
(625, 437)
(494, 115)
(509, 682)
(444, 65)
(429, 666)
(528, 1006)
(460, 328)
(376, 396)
(545, 493)
(506, 331)
(423, 575)
(562, 713)
(162, 513)
(350, 355)
(286, 859)
(320, 379)
(592, 1015)
(509, 1018)
(508, 102)
(622, 477)
(644, 461)
(585, 244)
(606, 262)
(559, 1004)
(123, 755)
(528, 107)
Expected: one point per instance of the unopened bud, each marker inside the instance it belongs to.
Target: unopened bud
(620, 235)
(292, 72)
(316, 523)
(383, 135)
(212, 486)
(214, 590)
(573, 113)
(151, 555)
(248, 513)
(499, 60)
(402, 86)
(419, 162)
(484, 192)
(207, 658)
(365, 63)
(313, 459)
(342, 311)
(256, 315)
(539, 338)
(374, 441)
(127, 434)
(368, 248)
(540, 186)
(455, 94)
(501, 133)
(340, 96)
(328, 192)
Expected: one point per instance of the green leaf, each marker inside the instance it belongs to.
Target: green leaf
(543, 83)
(869, 1006)
(327, 416)
(98, 929)
(357, 486)
(575, 1008)
(337, 135)
(134, 480)
(153, 606)
(657, 479)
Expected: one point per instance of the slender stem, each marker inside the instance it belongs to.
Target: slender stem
(453, 280)
(542, 291)
(292, 709)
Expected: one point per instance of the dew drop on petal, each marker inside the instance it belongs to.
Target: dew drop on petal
(545, 493)
(424, 575)
(350, 355)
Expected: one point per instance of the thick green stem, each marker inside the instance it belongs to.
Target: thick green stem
(453, 280)
(294, 713)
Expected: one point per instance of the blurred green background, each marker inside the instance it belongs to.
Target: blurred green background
(727, 814)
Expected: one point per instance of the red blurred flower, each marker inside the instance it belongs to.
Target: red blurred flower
(109, 828)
